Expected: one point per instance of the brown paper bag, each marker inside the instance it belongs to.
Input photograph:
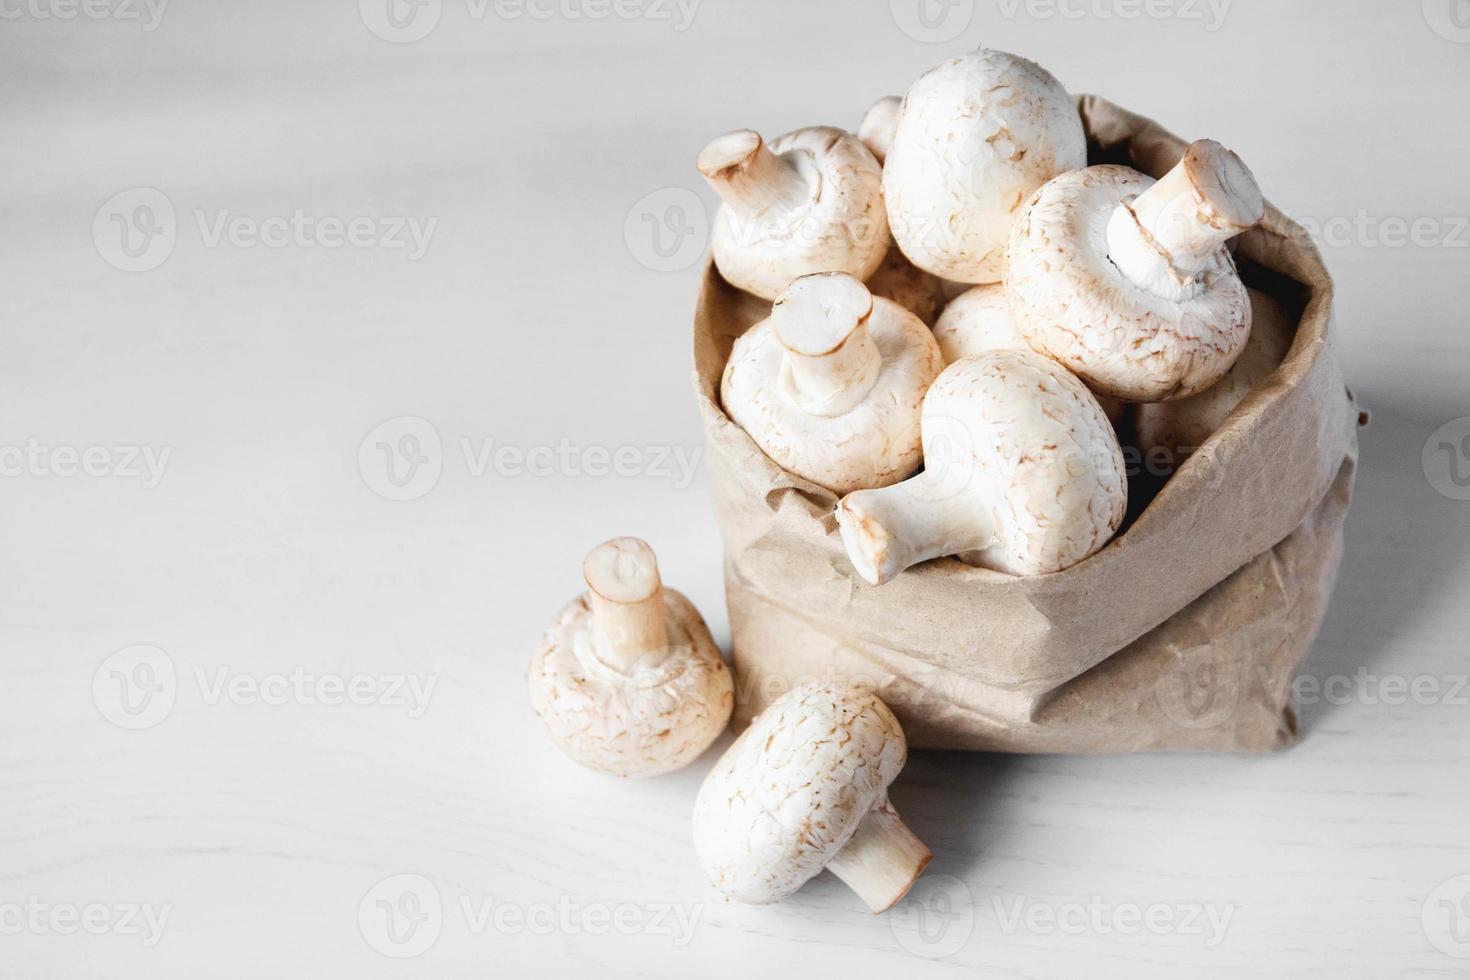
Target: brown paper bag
(1184, 633)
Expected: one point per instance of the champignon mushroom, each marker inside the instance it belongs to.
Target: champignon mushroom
(1178, 428)
(806, 787)
(979, 321)
(1128, 282)
(810, 202)
(877, 127)
(975, 138)
(910, 287)
(830, 387)
(627, 679)
(1023, 474)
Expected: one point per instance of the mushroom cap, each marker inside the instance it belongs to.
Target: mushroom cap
(1073, 304)
(842, 227)
(792, 790)
(1028, 438)
(917, 291)
(649, 722)
(977, 136)
(976, 322)
(876, 130)
(876, 444)
(1186, 424)
(979, 321)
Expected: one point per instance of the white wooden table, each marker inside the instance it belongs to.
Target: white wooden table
(212, 614)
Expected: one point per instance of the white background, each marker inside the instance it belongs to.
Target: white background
(535, 319)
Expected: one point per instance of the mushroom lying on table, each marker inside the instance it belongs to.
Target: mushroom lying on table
(810, 202)
(1128, 282)
(1023, 474)
(627, 679)
(806, 787)
(830, 387)
(975, 138)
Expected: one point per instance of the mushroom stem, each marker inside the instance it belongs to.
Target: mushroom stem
(882, 860)
(933, 515)
(629, 628)
(831, 361)
(749, 177)
(1166, 236)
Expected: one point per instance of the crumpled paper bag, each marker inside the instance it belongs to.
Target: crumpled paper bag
(1184, 633)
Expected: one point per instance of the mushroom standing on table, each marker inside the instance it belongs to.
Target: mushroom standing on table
(1023, 474)
(806, 787)
(1128, 282)
(975, 138)
(810, 202)
(830, 387)
(627, 679)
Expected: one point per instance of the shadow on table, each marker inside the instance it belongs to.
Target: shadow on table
(1406, 540)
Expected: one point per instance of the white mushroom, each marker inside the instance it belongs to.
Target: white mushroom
(810, 202)
(979, 321)
(830, 387)
(806, 787)
(1023, 474)
(878, 125)
(912, 288)
(976, 137)
(627, 679)
(1178, 428)
(1128, 282)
